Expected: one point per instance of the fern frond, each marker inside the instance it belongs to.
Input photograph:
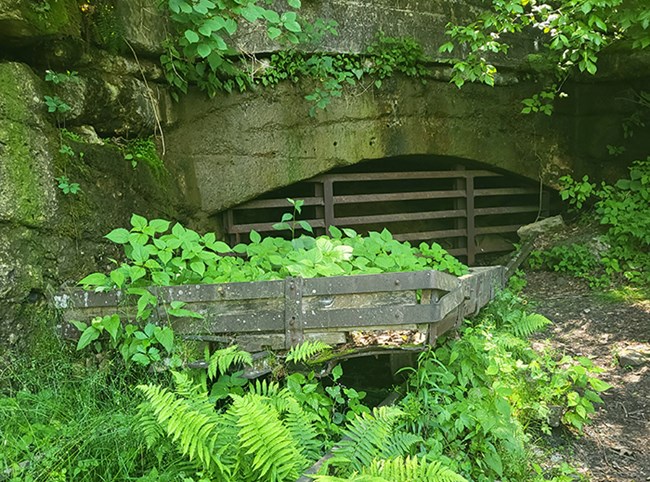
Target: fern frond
(366, 436)
(527, 324)
(398, 444)
(192, 424)
(353, 478)
(306, 350)
(148, 424)
(222, 360)
(262, 435)
(264, 388)
(302, 427)
(510, 342)
(413, 469)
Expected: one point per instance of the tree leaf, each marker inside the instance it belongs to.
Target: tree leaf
(191, 36)
(204, 50)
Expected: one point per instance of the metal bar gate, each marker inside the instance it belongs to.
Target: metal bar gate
(470, 212)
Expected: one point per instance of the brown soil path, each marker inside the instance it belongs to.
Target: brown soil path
(616, 446)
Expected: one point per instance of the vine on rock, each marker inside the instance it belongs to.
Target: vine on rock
(201, 51)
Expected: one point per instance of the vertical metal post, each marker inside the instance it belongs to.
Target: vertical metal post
(328, 198)
(320, 210)
(471, 221)
(460, 184)
(229, 221)
(293, 327)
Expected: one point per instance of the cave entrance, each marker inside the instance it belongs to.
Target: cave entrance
(471, 210)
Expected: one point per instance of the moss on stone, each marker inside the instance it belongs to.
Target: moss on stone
(25, 194)
(54, 17)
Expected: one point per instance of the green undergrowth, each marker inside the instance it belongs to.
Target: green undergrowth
(470, 409)
(61, 420)
(619, 255)
(159, 253)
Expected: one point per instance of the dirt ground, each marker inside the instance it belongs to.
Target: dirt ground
(616, 446)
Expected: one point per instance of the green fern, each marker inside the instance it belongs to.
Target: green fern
(411, 469)
(192, 424)
(525, 325)
(262, 435)
(370, 436)
(222, 360)
(302, 427)
(306, 350)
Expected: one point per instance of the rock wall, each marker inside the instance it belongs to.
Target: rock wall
(231, 148)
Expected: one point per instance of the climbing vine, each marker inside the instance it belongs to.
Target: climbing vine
(201, 50)
(385, 57)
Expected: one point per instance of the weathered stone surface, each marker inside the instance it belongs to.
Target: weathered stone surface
(27, 187)
(29, 20)
(634, 356)
(114, 104)
(143, 25)
(548, 225)
(239, 146)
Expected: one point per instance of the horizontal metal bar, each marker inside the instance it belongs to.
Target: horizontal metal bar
(277, 203)
(367, 317)
(397, 176)
(505, 210)
(505, 191)
(218, 323)
(397, 196)
(512, 228)
(387, 218)
(222, 292)
(246, 228)
(372, 283)
(433, 235)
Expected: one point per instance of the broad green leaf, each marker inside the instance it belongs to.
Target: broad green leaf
(138, 222)
(292, 26)
(191, 36)
(119, 236)
(272, 16)
(294, 3)
(112, 325)
(141, 359)
(599, 385)
(89, 335)
(220, 247)
(204, 50)
(95, 279)
(335, 232)
(118, 277)
(165, 337)
(137, 272)
(159, 225)
(255, 237)
(80, 325)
